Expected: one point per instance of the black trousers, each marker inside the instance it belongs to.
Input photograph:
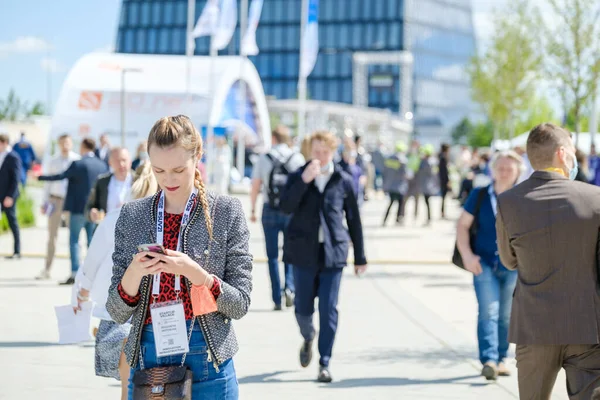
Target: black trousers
(444, 194)
(427, 197)
(395, 198)
(11, 216)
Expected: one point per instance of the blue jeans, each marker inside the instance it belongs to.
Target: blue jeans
(77, 222)
(324, 283)
(208, 384)
(274, 221)
(494, 289)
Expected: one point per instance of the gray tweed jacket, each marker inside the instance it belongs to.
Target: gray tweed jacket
(229, 260)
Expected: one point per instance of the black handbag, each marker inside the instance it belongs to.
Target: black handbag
(164, 383)
(456, 257)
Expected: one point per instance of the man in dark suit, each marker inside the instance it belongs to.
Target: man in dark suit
(10, 174)
(82, 175)
(103, 151)
(548, 229)
(111, 190)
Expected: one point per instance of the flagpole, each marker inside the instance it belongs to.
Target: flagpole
(210, 131)
(189, 50)
(241, 147)
(302, 79)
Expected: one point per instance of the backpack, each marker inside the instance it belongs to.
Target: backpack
(277, 179)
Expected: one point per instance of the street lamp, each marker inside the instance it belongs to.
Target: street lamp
(123, 72)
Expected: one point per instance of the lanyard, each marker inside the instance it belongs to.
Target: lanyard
(493, 199)
(160, 224)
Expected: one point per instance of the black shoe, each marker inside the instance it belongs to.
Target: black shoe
(69, 281)
(277, 307)
(16, 256)
(289, 298)
(490, 371)
(306, 353)
(324, 375)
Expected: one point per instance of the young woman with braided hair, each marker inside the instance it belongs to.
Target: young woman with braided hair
(182, 302)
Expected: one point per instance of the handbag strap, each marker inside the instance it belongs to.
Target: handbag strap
(474, 226)
(214, 208)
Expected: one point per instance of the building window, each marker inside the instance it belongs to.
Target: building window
(123, 19)
(145, 14)
(141, 41)
(163, 41)
(178, 40)
(181, 14)
(169, 13)
(152, 39)
(380, 9)
(129, 39)
(367, 9)
(134, 9)
(347, 91)
(328, 8)
(395, 36)
(156, 13)
(344, 36)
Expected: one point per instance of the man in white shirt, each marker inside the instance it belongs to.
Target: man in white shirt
(111, 190)
(54, 197)
(103, 151)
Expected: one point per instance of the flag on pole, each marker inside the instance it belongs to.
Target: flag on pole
(227, 23)
(310, 41)
(249, 46)
(207, 23)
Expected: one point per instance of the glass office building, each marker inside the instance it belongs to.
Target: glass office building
(439, 34)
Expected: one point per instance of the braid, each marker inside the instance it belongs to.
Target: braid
(202, 195)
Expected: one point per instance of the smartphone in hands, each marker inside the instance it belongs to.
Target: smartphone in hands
(152, 248)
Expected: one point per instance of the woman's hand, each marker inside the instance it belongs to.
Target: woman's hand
(178, 263)
(82, 297)
(143, 263)
(473, 264)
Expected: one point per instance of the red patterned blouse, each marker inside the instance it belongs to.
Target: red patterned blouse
(167, 281)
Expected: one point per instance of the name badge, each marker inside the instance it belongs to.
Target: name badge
(168, 324)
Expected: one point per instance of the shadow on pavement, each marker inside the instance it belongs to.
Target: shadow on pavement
(440, 356)
(265, 378)
(396, 381)
(27, 344)
(457, 285)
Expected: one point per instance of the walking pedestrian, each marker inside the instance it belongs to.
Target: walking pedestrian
(200, 283)
(414, 187)
(110, 190)
(54, 198)
(320, 196)
(271, 173)
(93, 280)
(10, 175)
(81, 176)
(548, 230)
(494, 283)
(444, 176)
(25, 152)
(427, 178)
(103, 151)
(141, 155)
(222, 165)
(396, 175)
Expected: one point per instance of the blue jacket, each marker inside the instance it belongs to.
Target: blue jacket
(10, 177)
(311, 209)
(82, 175)
(26, 153)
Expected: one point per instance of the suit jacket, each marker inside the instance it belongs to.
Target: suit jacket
(82, 175)
(10, 174)
(548, 229)
(99, 195)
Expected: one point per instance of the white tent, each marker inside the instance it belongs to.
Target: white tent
(584, 143)
(155, 86)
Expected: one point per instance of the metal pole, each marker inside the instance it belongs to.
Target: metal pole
(241, 148)
(594, 118)
(189, 49)
(302, 79)
(210, 133)
(49, 71)
(123, 107)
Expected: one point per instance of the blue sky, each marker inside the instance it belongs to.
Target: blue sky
(39, 38)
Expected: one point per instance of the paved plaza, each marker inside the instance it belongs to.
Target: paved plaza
(407, 328)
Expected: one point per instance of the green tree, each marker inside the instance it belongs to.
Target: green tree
(504, 77)
(462, 131)
(10, 109)
(482, 135)
(573, 52)
(538, 111)
(38, 108)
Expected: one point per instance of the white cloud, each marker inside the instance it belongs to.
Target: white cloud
(51, 65)
(25, 44)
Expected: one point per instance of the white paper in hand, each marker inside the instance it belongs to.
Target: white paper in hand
(74, 328)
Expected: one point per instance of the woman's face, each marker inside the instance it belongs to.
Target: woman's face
(174, 169)
(506, 170)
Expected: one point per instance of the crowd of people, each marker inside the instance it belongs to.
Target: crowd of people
(180, 269)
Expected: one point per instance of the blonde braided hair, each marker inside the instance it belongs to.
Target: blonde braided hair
(179, 130)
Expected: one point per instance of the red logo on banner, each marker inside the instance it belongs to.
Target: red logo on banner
(90, 100)
(84, 130)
